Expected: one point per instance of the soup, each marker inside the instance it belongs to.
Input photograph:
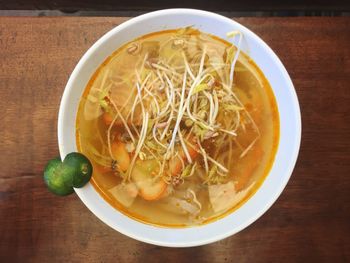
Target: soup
(180, 126)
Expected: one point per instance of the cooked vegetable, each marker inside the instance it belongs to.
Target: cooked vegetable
(120, 155)
(107, 118)
(224, 196)
(178, 162)
(181, 118)
(125, 193)
(150, 187)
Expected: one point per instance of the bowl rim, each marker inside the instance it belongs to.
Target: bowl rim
(288, 171)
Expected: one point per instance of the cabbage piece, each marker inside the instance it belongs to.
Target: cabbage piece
(124, 193)
(183, 206)
(224, 196)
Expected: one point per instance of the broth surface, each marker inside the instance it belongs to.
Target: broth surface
(203, 196)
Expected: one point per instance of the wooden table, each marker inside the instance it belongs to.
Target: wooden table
(310, 222)
(69, 6)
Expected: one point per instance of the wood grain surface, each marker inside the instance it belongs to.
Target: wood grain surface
(145, 5)
(310, 222)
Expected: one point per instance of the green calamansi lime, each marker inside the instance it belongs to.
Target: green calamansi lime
(58, 181)
(60, 177)
(80, 168)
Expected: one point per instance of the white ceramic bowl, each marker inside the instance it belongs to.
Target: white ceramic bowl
(290, 126)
